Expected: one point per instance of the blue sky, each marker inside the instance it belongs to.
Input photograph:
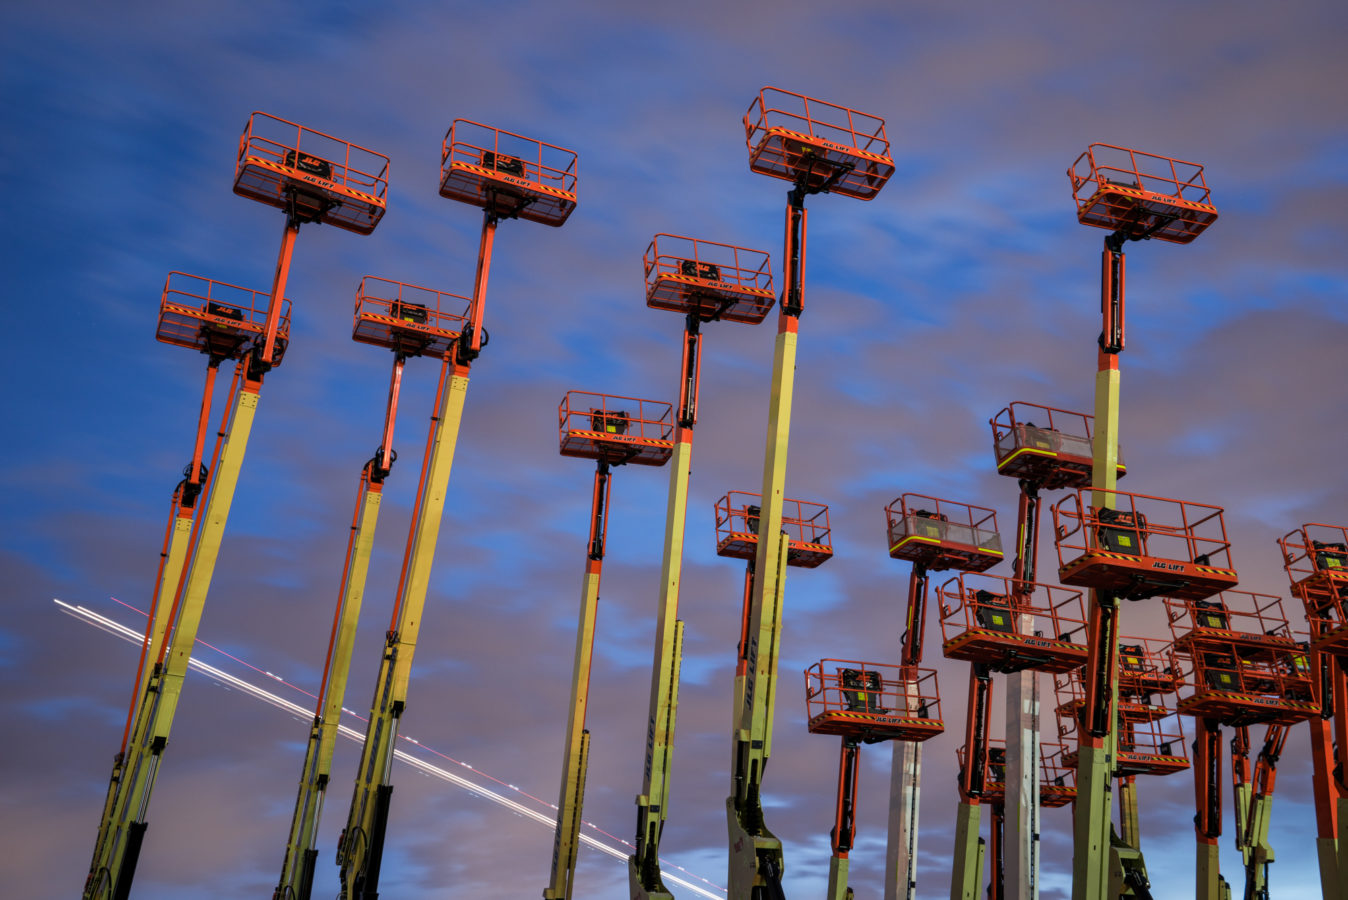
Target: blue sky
(966, 284)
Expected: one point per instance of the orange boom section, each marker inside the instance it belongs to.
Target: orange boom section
(708, 279)
(981, 622)
(318, 177)
(411, 320)
(809, 535)
(507, 174)
(872, 702)
(828, 148)
(615, 429)
(1051, 447)
(1139, 546)
(943, 534)
(223, 321)
(1141, 194)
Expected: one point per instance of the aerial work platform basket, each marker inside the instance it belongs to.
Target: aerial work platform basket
(407, 319)
(822, 145)
(1315, 557)
(616, 429)
(1148, 673)
(1235, 689)
(981, 622)
(872, 702)
(1057, 783)
(319, 177)
(708, 279)
(1149, 735)
(1141, 194)
(1055, 453)
(507, 174)
(806, 524)
(223, 321)
(942, 534)
(1254, 624)
(1138, 546)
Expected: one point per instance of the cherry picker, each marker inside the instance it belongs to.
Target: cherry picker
(411, 321)
(612, 431)
(1245, 668)
(508, 176)
(819, 148)
(934, 535)
(1136, 196)
(1053, 455)
(706, 281)
(865, 703)
(313, 178)
(1315, 557)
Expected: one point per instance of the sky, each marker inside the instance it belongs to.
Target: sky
(966, 284)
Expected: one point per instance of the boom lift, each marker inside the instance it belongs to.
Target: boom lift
(1150, 741)
(508, 176)
(312, 177)
(1128, 546)
(934, 535)
(1136, 196)
(411, 321)
(1315, 557)
(1052, 455)
(1246, 668)
(705, 281)
(820, 148)
(865, 703)
(1053, 792)
(613, 431)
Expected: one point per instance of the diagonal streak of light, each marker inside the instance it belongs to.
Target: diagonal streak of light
(117, 629)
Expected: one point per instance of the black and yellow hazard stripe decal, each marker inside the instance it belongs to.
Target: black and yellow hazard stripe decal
(196, 313)
(404, 323)
(778, 131)
(619, 439)
(1145, 195)
(314, 180)
(515, 180)
(721, 285)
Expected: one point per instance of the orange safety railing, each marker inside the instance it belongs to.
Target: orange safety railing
(1141, 193)
(942, 534)
(416, 321)
(508, 173)
(1049, 445)
(806, 525)
(1058, 783)
(337, 182)
(219, 319)
(616, 429)
(793, 136)
(1235, 688)
(1256, 622)
(872, 701)
(1150, 735)
(1148, 672)
(1140, 546)
(1315, 554)
(713, 280)
(981, 622)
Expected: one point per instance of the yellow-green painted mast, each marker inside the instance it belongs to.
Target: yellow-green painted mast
(755, 853)
(301, 854)
(360, 849)
(123, 826)
(643, 866)
(1092, 823)
(576, 751)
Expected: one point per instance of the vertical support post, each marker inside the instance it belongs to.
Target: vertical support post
(575, 752)
(1208, 800)
(1095, 748)
(844, 819)
(905, 776)
(967, 874)
(1327, 789)
(1022, 781)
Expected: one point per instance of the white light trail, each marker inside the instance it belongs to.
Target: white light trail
(113, 627)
